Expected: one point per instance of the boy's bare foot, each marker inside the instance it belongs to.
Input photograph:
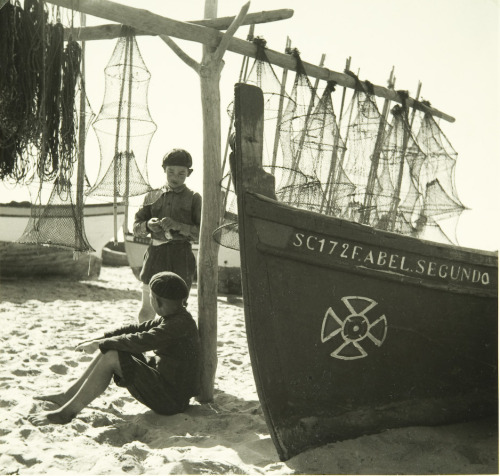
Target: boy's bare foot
(57, 398)
(48, 418)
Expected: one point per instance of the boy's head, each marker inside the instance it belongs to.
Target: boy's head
(168, 292)
(177, 165)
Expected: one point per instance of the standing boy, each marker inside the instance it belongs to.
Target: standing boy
(172, 216)
(165, 383)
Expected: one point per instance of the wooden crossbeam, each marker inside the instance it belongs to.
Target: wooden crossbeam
(112, 31)
(144, 20)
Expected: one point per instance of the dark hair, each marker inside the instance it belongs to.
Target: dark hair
(177, 157)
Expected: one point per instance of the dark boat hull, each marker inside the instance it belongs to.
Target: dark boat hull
(352, 330)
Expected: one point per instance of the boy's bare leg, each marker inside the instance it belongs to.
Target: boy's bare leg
(98, 380)
(147, 312)
(63, 397)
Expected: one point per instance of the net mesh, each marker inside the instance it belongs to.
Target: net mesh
(373, 170)
(124, 126)
(37, 92)
(59, 223)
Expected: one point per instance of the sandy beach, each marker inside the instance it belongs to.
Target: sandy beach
(44, 319)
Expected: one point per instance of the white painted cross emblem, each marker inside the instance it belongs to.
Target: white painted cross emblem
(355, 328)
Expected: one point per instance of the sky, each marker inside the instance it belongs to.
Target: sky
(451, 46)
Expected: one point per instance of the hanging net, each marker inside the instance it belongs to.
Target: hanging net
(124, 126)
(350, 196)
(59, 223)
(37, 91)
(261, 74)
(435, 176)
(372, 170)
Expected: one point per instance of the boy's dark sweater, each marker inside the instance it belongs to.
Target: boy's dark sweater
(175, 341)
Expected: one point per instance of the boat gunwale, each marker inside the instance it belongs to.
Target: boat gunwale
(90, 210)
(379, 237)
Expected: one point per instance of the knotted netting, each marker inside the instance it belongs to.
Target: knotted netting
(59, 223)
(37, 91)
(372, 170)
(124, 126)
(349, 195)
(434, 175)
(395, 197)
(261, 74)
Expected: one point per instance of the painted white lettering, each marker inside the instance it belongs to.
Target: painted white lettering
(392, 260)
(369, 257)
(346, 247)
(402, 265)
(382, 255)
(355, 251)
(308, 244)
(421, 266)
(298, 237)
(476, 276)
(443, 271)
(466, 273)
(485, 279)
(322, 242)
(431, 269)
(455, 272)
(334, 244)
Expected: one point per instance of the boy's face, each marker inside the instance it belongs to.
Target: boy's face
(165, 306)
(176, 175)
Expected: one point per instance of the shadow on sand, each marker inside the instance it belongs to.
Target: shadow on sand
(48, 289)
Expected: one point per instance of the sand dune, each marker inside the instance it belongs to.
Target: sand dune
(43, 320)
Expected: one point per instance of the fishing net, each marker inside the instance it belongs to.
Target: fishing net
(36, 94)
(350, 163)
(261, 74)
(440, 206)
(396, 194)
(59, 223)
(371, 170)
(124, 126)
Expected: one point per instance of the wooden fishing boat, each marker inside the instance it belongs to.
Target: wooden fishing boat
(21, 260)
(353, 330)
(114, 255)
(229, 263)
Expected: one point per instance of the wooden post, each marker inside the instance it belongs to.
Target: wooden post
(80, 169)
(207, 255)
(210, 69)
(372, 176)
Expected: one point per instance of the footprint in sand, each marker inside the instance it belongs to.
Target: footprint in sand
(59, 369)
(22, 459)
(24, 373)
(7, 403)
(25, 432)
(79, 426)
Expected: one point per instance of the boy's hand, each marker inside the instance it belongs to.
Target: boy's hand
(154, 225)
(89, 346)
(168, 224)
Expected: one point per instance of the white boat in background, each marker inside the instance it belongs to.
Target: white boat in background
(21, 260)
(229, 262)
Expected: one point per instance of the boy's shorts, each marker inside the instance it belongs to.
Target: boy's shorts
(174, 256)
(145, 384)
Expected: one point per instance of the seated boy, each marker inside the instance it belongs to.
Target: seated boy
(165, 384)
